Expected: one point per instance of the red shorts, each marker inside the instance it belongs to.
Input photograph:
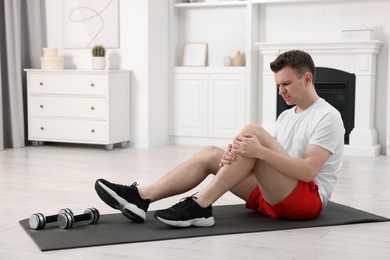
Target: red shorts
(303, 203)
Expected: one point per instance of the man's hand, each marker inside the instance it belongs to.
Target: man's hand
(227, 157)
(247, 145)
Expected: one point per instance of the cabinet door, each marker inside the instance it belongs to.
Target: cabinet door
(226, 104)
(189, 105)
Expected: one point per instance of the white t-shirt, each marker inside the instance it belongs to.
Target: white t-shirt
(321, 125)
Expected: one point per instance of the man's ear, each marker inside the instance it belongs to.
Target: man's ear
(308, 78)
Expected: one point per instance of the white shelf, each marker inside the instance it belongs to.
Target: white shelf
(244, 2)
(282, 1)
(296, 1)
(214, 70)
(77, 71)
(210, 4)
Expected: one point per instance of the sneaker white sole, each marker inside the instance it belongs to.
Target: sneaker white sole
(197, 222)
(124, 205)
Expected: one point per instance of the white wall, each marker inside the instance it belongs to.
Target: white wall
(158, 72)
(143, 50)
(387, 109)
(144, 39)
(324, 21)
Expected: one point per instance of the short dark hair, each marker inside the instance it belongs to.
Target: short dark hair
(298, 60)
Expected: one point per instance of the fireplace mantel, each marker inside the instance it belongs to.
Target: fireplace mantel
(322, 47)
(358, 57)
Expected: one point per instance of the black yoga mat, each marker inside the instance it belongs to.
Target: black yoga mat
(232, 219)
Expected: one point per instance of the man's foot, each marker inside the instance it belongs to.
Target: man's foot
(124, 198)
(186, 213)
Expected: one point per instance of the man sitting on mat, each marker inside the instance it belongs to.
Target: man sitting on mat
(288, 174)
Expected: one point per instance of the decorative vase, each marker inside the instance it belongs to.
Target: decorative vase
(238, 60)
(227, 61)
(98, 63)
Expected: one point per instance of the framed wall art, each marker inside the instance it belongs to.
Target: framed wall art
(195, 54)
(91, 22)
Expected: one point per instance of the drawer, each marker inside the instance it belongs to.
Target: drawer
(43, 129)
(75, 84)
(95, 108)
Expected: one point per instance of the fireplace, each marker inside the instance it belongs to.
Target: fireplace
(337, 87)
(354, 57)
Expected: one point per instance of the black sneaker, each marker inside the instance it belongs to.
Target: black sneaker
(124, 198)
(186, 213)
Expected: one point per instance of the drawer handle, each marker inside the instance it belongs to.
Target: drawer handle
(41, 83)
(92, 108)
(92, 130)
(42, 128)
(92, 85)
(41, 106)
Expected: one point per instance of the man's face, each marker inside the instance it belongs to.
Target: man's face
(291, 88)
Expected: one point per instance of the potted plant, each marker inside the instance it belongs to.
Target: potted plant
(98, 57)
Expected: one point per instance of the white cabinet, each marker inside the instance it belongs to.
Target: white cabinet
(79, 106)
(214, 101)
(207, 105)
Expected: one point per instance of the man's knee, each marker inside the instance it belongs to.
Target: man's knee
(253, 129)
(211, 151)
(209, 156)
(266, 139)
(260, 132)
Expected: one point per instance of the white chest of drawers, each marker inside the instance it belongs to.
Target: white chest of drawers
(79, 106)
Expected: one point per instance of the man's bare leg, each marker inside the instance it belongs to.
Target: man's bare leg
(274, 185)
(226, 179)
(185, 176)
(134, 201)
(237, 177)
(240, 176)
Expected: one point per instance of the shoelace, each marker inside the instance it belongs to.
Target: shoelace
(125, 187)
(184, 201)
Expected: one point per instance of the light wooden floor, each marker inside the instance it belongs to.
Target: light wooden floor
(47, 178)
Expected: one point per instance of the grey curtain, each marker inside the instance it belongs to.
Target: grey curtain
(22, 36)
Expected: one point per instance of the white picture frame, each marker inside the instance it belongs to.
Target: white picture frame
(195, 54)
